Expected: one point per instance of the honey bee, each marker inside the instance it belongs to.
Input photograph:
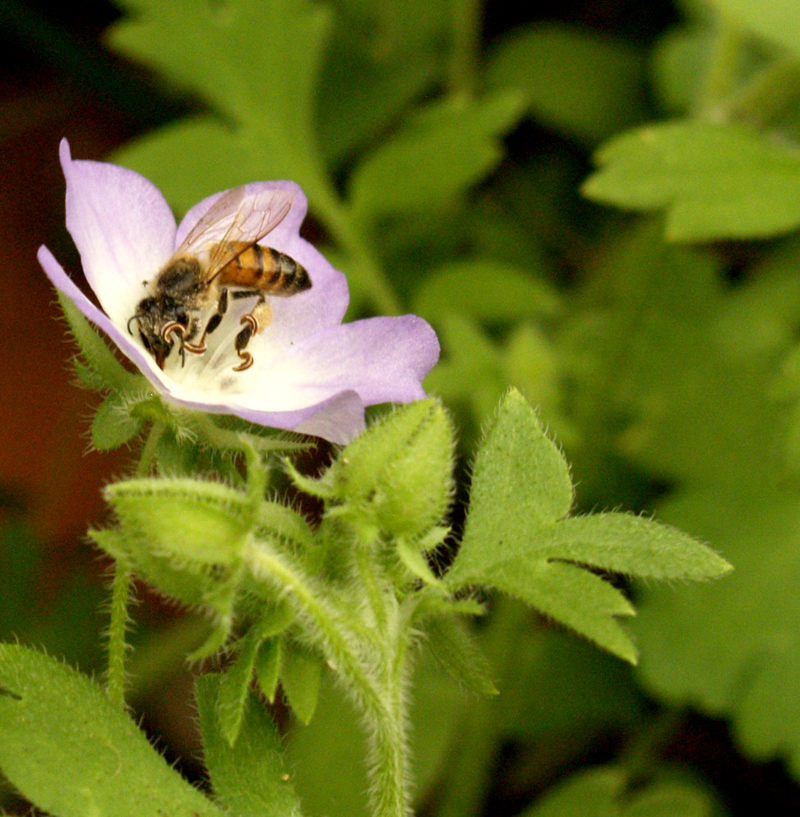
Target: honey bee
(220, 260)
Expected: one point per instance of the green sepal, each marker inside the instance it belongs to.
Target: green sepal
(234, 684)
(206, 522)
(397, 476)
(416, 562)
(215, 641)
(301, 673)
(72, 752)
(97, 354)
(87, 376)
(268, 664)
(277, 521)
(249, 778)
(181, 582)
(321, 488)
(114, 424)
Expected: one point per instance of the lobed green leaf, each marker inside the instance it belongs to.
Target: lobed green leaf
(441, 152)
(715, 181)
(535, 553)
(249, 777)
(585, 85)
(72, 753)
(301, 673)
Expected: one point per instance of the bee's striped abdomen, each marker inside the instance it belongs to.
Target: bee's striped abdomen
(264, 268)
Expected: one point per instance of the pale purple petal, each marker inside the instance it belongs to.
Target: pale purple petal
(340, 420)
(122, 227)
(381, 359)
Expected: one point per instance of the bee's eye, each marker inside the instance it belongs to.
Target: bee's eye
(145, 341)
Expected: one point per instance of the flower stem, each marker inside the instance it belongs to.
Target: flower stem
(121, 589)
(117, 629)
(378, 694)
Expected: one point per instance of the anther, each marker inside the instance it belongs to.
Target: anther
(247, 362)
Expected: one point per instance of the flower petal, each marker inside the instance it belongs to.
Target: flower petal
(122, 227)
(380, 359)
(340, 420)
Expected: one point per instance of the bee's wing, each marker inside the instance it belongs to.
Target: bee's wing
(235, 221)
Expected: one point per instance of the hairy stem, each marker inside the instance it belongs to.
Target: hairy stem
(377, 691)
(121, 590)
(117, 629)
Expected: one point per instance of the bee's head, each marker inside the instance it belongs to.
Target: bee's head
(160, 321)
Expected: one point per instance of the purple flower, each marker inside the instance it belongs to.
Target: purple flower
(310, 373)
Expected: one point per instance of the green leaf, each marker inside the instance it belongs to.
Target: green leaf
(729, 647)
(609, 792)
(233, 686)
(267, 97)
(486, 290)
(434, 159)
(68, 769)
(170, 156)
(715, 181)
(249, 778)
(624, 543)
(185, 518)
(456, 650)
(364, 88)
(775, 20)
(113, 424)
(301, 673)
(556, 685)
(585, 85)
(679, 64)
(517, 540)
(268, 664)
(517, 467)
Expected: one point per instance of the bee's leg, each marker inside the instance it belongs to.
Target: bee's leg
(254, 322)
(213, 322)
